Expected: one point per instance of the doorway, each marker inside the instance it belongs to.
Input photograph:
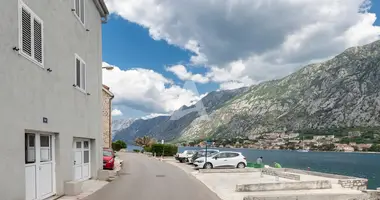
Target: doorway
(82, 166)
(39, 166)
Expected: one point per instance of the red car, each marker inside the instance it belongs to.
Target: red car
(108, 158)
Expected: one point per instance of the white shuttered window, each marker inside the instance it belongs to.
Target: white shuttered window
(80, 73)
(31, 34)
(79, 9)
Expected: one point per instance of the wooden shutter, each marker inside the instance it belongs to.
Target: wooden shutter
(77, 7)
(82, 10)
(38, 44)
(26, 32)
(77, 72)
(83, 76)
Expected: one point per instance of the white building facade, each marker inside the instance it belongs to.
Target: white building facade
(50, 91)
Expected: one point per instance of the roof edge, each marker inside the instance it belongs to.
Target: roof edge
(102, 8)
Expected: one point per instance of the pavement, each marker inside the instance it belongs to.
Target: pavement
(224, 185)
(143, 177)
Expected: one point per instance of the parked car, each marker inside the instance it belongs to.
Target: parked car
(202, 153)
(223, 159)
(108, 158)
(185, 156)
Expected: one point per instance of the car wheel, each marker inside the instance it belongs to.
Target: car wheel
(240, 165)
(207, 166)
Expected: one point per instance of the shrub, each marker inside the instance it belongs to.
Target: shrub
(136, 150)
(148, 149)
(116, 146)
(167, 149)
(122, 144)
(119, 144)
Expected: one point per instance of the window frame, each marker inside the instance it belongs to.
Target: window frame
(82, 89)
(84, 11)
(33, 16)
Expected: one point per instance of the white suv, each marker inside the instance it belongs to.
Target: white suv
(222, 159)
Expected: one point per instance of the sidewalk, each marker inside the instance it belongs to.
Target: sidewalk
(91, 186)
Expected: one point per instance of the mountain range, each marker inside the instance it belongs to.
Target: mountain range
(338, 93)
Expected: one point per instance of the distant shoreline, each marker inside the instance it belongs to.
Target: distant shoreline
(359, 152)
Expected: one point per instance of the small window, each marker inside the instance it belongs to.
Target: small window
(85, 144)
(31, 35)
(86, 156)
(80, 73)
(78, 145)
(79, 9)
(45, 149)
(30, 149)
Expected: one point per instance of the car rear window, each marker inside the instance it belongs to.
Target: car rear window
(231, 155)
(107, 153)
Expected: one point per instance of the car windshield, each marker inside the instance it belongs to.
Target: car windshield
(107, 153)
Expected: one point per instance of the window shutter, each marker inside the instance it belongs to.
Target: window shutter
(77, 9)
(26, 34)
(77, 72)
(82, 10)
(83, 76)
(38, 41)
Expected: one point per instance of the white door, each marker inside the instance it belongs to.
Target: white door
(39, 166)
(81, 149)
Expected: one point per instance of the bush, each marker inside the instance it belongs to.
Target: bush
(136, 150)
(167, 149)
(117, 145)
(148, 149)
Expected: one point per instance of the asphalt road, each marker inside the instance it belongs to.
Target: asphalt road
(144, 178)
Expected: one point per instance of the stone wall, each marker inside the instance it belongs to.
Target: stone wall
(244, 170)
(300, 185)
(281, 174)
(356, 184)
(336, 176)
(106, 101)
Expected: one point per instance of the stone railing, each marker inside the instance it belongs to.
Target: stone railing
(356, 184)
(301, 185)
(281, 174)
(336, 176)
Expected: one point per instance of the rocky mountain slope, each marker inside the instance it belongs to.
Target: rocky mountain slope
(341, 92)
(170, 127)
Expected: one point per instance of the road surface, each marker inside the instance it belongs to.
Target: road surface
(144, 178)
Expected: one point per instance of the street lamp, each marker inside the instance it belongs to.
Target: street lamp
(108, 68)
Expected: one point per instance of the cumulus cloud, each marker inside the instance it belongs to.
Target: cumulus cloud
(153, 115)
(146, 90)
(116, 112)
(183, 74)
(267, 38)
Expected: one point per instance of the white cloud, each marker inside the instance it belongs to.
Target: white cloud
(267, 38)
(116, 112)
(183, 74)
(146, 90)
(153, 115)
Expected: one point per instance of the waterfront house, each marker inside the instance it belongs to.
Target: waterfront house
(50, 83)
(107, 97)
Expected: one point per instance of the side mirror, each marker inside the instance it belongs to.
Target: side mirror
(216, 157)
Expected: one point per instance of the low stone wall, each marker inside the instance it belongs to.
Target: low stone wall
(314, 197)
(301, 185)
(281, 174)
(245, 170)
(336, 176)
(356, 184)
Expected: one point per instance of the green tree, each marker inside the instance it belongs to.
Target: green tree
(374, 148)
(122, 144)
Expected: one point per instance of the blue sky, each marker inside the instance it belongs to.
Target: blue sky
(131, 43)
